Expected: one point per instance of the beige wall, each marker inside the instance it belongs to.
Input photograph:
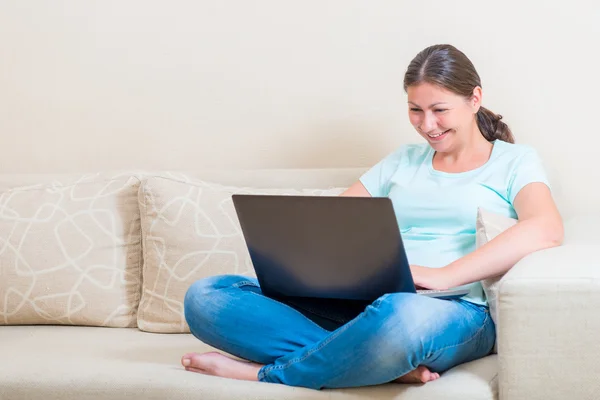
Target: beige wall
(94, 85)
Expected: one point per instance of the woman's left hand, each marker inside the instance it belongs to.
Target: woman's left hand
(430, 278)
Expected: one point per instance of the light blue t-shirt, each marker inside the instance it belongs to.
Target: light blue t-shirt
(437, 211)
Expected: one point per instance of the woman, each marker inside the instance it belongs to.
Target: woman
(468, 161)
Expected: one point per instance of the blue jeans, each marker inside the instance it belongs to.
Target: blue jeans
(394, 335)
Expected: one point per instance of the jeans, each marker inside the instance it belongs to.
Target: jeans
(392, 336)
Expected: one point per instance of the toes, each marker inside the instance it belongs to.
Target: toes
(187, 356)
(186, 360)
(190, 359)
(419, 375)
(429, 376)
(197, 370)
(425, 375)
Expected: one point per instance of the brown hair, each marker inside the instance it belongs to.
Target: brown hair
(446, 66)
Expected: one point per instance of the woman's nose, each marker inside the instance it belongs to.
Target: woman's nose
(428, 124)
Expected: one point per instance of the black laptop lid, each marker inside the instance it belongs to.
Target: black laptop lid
(324, 247)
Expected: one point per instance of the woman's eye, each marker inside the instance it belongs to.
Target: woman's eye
(415, 109)
(440, 110)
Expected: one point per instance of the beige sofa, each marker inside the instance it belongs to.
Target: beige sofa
(114, 252)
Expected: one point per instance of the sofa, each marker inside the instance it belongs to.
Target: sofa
(93, 268)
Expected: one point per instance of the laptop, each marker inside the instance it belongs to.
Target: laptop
(345, 249)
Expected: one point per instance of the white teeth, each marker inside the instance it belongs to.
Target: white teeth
(438, 135)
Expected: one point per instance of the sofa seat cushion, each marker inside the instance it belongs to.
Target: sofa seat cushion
(63, 362)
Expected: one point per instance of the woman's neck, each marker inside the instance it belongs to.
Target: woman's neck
(466, 156)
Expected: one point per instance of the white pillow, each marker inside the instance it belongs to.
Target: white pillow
(489, 225)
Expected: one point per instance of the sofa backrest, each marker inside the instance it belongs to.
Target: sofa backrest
(73, 247)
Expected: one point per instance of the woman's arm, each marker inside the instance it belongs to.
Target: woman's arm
(540, 226)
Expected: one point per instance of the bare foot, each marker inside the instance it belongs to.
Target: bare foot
(419, 375)
(217, 364)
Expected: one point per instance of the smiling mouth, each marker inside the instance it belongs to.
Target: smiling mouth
(437, 135)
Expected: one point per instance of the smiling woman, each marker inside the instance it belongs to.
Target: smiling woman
(445, 67)
(469, 161)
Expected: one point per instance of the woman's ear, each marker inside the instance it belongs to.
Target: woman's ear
(475, 100)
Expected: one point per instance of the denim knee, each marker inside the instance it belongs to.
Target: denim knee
(201, 303)
(412, 326)
(199, 289)
(405, 326)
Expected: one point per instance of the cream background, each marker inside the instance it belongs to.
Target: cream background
(185, 85)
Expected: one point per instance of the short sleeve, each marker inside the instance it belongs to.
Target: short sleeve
(377, 179)
(528, 169)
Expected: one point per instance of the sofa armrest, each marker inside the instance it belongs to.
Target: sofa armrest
(549, 325)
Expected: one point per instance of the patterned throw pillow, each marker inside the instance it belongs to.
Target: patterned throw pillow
(70, 253)
(190, 231)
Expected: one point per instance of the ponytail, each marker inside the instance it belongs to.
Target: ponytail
(492, 127)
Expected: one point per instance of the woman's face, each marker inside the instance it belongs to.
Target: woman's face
(443, 118)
